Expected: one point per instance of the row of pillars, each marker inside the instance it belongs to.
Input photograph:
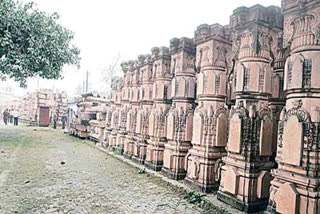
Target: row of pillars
(234, 109)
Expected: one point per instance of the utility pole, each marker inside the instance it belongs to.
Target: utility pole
(87, 81)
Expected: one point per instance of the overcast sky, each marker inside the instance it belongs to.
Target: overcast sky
(105, 28)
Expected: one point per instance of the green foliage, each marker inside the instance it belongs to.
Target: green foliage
(32, 43)
(197, 199)
(194, 197)
(142, 171)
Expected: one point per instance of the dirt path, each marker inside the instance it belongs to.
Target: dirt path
(45, 171)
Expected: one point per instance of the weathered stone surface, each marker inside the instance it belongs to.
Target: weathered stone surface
(287, 199)
(265, 143)
(231, 180)
(292, 132)
(234, 143)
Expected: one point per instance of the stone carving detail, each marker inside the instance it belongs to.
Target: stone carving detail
(133, 120)
(301, 3)
(318, 32)
(255, 42)
(109, 116)
(123, 118)
(115, 119)
(181, 116)
(303, 117)
(145, 123)
(300, 31)
(221, 60)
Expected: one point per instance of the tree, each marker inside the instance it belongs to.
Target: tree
(32, 43)
(110, 71)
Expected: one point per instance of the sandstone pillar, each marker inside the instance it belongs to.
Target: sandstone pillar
(245, 175)
(295, 187)
(112, 115)
(118, 84)
(210, 120)
(125, 106)
(180, 116)
(162, 102)
(146, 103)
(134, 99)
(108, 129)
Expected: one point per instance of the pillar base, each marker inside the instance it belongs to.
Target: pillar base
(155, 166)
(119, 150)
(176, 175)
(139, 151)
(138, 159)
(251, 207)
(201, 187)
(271, 210)
(127, 155)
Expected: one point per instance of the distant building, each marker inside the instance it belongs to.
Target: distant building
(41, 106)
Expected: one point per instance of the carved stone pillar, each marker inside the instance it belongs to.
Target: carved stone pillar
(277, 101)
(146, 103)
(245, 174)
(180, 116)
(107, 122)
(116, 113)
(134, 99)
(127, 94)
(123, 111)
(110, 116)
(210, 119)
(162, 102)
(295, 187)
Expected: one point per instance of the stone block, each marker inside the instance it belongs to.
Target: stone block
(292, 141)
(263, 184)
(197, 124)
(287, 199)
(221, 132)
(231, 180)
(315, 75)
(234, 142)
(265, 140)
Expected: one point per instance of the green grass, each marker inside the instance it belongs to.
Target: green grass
(16, 140)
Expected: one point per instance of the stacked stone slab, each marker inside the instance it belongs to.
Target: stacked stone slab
(82, 127)
(146, 103)
(180, 116)
(210, 120)
(161, 106)
(295, 188)
(245, 176)
(61, 105)
(97, 125)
